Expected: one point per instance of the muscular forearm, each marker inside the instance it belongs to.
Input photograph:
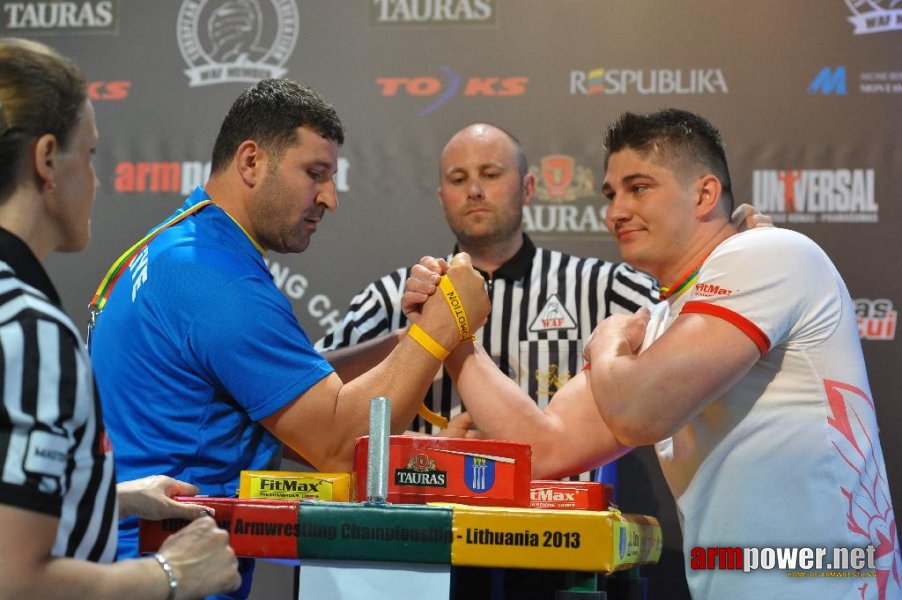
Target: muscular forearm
(569, 437)
(353, 361)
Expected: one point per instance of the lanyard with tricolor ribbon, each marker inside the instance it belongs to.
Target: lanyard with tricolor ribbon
(118, 267)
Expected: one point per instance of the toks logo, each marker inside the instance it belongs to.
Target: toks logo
(452, 85)
(874, 16)
(876, 319)
(821, 195)
(108, 90)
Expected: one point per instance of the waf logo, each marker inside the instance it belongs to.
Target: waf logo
(553, 316)
(479, 473)
(876, 319)
(448, 85)
(565, 200)
(816, 195)
(236, 40)
(874, 16)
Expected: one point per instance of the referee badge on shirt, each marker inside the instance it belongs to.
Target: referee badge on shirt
(47, 454)
(553, 316)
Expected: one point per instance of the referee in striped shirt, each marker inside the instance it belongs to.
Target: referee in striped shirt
(544, 303)
(58, 498)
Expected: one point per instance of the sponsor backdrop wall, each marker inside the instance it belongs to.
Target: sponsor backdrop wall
(806, 93)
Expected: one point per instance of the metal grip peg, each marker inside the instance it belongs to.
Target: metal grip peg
(377, 450)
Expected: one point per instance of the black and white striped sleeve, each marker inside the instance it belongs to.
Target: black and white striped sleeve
(373, 312)
(55, 458)
(629, 290)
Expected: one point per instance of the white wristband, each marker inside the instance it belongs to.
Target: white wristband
(170, 575)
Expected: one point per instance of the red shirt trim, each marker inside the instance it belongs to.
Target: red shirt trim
(758, 337)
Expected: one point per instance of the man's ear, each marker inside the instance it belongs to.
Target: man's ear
(709, 192)
(250, 162)
(44, 157)
(529, 187)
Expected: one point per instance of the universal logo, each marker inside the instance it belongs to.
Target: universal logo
(225, 41)
(85, 17)
(874, 16)
(432, 13)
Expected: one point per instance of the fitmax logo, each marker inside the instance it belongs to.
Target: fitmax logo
(829, 82)
(450, 85)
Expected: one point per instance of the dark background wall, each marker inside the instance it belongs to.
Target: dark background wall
(807, 94)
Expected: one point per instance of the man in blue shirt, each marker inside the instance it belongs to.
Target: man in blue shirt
(203, 367)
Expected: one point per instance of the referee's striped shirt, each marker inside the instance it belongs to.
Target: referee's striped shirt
(55, 458)
(544, 305)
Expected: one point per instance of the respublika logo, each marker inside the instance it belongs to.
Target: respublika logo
(876, 319)
(451, 84)
(644, 82)
(874, 16)
(565, 201)
(816, 195)
(439, 13)
(236, 40)
(86, 16)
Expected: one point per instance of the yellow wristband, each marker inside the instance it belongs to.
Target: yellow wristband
(426, 341)
(457, 309)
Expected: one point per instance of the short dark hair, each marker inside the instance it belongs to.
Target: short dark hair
(684, 139)
(269, 113)
(41, 92)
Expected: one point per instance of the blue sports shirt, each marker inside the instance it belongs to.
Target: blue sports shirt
(195, 345)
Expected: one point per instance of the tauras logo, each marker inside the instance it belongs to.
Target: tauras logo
(421, 470)
(394, 13)
(87, 16)
(434, 479)
(561, 181)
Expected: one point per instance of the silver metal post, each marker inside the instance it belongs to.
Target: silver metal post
(377, 450)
